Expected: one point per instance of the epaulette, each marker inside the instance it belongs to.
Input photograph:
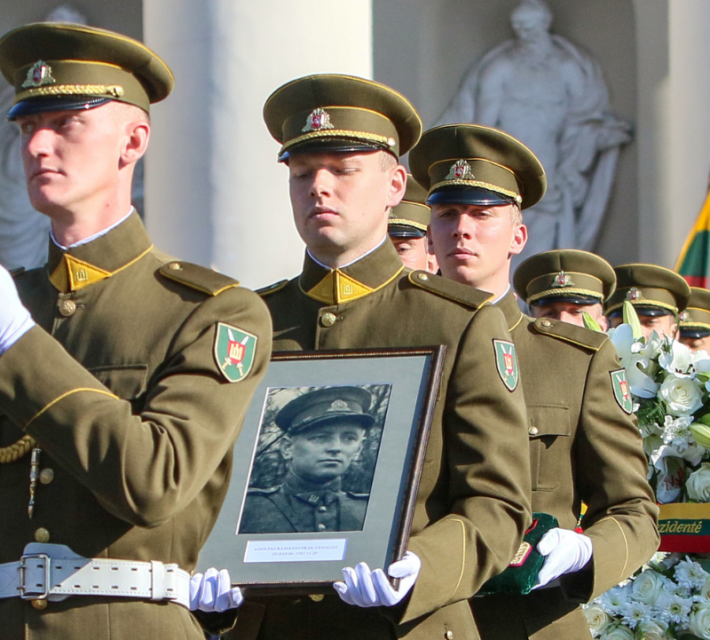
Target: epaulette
(256, 491)
(196, 277)
(357, 496)
(471, 297)
(580, 336)
(17, 271)
(272, 288)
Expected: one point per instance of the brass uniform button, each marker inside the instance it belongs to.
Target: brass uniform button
(546, 323)
(321, 526)
(322, 508)
(328, 319)
(175, 266)
(67, 308)
(423, 276)
(449, 635)
(40, 605)
(42, 535)
(46, 476)
(316, 597)
(533, 431)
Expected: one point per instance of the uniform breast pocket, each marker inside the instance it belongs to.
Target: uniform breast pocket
(127, 381)
(549, 429)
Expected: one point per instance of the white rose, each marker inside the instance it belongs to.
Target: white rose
(618, 633)
(647, 586)
(653, 630)
(698, 484)
(597, 619)
(699, 621)
(680, 395)
(704, 591)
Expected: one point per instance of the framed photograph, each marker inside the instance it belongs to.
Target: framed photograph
(326, 467)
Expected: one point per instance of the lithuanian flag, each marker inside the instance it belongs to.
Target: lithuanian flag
(694, 261)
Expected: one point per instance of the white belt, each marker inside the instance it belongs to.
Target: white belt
(55, 572)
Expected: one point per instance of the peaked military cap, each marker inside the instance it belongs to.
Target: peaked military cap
(411, 217)
(324, 406)
(653, 290)
(564, 275)
(330, 112)
(56, 66)
(472, 164)
(695, 319)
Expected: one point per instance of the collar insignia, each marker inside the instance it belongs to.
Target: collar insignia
(634, 294)
(460, 170)
(317, 120)
(39, 74)
(562, 279)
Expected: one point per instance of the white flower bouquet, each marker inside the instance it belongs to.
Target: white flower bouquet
(669, 598)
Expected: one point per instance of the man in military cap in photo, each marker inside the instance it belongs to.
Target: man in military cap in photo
(407, 228)
(323, 433)
(657, 294)
(341, 137)
(695, 321)
(124, 374)
(584, 445)
(564, 284)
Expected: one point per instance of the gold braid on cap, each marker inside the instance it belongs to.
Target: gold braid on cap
(17, 450)
(477, 183)
(385, 141)
(114, 91)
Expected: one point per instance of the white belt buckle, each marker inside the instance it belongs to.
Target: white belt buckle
(27, 593)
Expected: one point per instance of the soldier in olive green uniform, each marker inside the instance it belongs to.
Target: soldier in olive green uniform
(122, 394)
(583, 441)
(695, 321)
(324, 431)
(580, 284)
(407, 227)
(657, 294)
(341, 137)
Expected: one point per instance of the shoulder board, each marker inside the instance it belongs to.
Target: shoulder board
(255, 491)
(196, 277)
(470, 296)
(580, 336)
(357, 496)
(16, 272)
(272, 288)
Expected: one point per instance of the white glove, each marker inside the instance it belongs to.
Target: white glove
(365, 588)
(15, 320)
(213, 591)
(565, 551)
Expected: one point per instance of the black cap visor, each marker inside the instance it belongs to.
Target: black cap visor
(404, 231)
(54, 103)
(643, 310)
(571, 298)
(694, 332)
(468, 195)
(332, 145)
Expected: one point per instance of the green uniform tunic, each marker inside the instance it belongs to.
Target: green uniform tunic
(472, 505)
(583, 447)
(120, 387)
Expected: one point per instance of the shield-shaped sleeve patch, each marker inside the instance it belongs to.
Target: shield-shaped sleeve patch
(234, 351)
(622, 394)
(507, 363)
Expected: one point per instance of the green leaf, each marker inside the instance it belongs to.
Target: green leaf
(651, 410)
(632, 319)
(590, 323)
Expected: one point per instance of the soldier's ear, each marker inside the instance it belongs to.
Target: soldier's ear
(286, 447)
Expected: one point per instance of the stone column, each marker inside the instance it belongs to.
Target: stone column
(214, 191)
(673, 122)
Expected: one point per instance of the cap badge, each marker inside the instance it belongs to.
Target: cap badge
(338, 405)
(562, 279)
(684, 316)
(39, 74)
(634, 294)
(317, 119)
(460, 170)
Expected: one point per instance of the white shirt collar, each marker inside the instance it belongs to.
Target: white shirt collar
(342, 266)
(500, 297)
(95, 236)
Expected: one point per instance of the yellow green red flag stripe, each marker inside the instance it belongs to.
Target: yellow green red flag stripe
(694, 261)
